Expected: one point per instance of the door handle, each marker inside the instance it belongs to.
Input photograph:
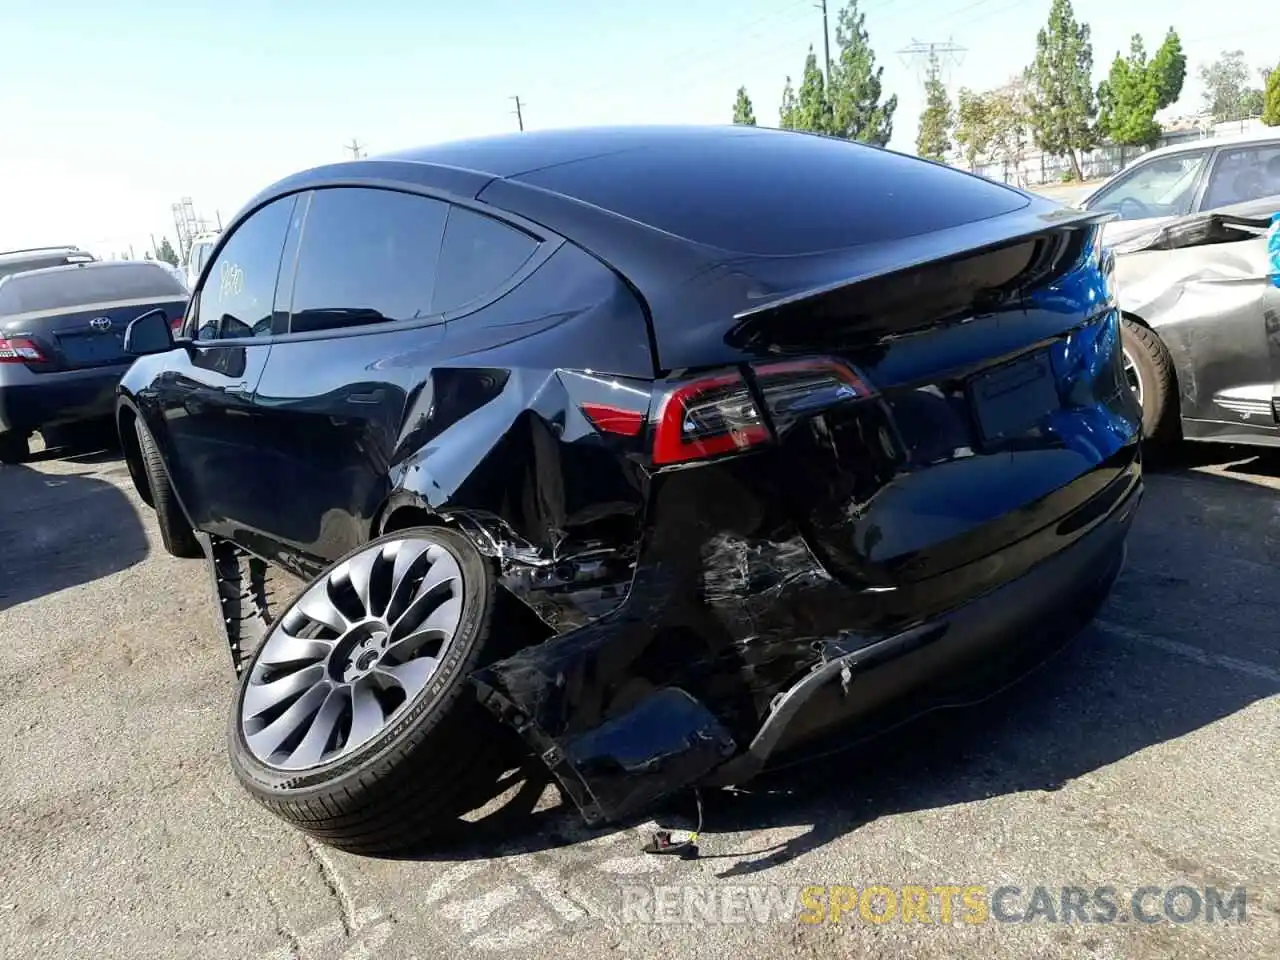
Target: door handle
(373, 396)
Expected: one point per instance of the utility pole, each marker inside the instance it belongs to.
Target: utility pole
(354, 147)
(826, 39)
(519, 113)
(921, 55)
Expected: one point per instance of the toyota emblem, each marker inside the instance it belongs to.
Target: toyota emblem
(100, 323)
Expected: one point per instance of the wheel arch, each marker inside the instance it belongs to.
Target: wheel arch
(126, 417)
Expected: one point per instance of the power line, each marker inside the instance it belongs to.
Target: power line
(925, 55)
(519, 114)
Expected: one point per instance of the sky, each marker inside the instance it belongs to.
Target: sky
(115, 110)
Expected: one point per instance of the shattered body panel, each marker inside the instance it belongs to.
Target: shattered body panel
(1204, 284)
(871, 456)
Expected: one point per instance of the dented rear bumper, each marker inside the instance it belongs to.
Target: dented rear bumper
(693, 681)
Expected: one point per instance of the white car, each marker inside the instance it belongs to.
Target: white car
(1187, 178)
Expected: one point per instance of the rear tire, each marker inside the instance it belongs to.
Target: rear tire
(1148, 362)
(14, 447)
(175, 531)
(436, 750)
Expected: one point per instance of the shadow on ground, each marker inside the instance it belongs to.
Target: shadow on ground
(62, 530)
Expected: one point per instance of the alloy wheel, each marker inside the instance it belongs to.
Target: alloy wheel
(1133, 376)
(352, 654)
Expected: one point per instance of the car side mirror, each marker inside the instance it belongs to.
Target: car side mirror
(148, 333)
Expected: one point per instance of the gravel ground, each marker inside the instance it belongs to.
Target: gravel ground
(1146, 755)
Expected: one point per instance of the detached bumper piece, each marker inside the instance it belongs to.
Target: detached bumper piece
(666, 741)
(240, 587)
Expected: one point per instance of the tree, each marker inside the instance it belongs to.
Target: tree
(1170, 68)
(1129, 97)
(973, 125)
(933, 139)
(743, 112)
(1061, 95)
(1271, 104)
(856, 87)
(787, 111)
(166, 252)
(1226, 92)
(813, 110)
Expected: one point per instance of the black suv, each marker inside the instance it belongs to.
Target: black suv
(668, 448)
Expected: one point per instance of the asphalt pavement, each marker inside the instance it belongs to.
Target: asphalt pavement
(1145, 758)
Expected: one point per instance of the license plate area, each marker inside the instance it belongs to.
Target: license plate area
(1014, 398)
(90, 348)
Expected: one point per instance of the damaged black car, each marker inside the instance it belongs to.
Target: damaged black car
(668, 449)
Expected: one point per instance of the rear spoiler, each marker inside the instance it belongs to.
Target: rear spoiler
(910, 253)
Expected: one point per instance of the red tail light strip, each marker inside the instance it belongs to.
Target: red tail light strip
(19, 351)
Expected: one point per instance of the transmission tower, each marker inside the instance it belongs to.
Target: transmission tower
(919, 54)
(188, 226)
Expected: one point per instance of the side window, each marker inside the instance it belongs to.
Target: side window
(1157, 188)
(478, 256)
(1243, 174)
(239, 288)
(366, 256)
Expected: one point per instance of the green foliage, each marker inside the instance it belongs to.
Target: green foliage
(933, 139)
(856, 88)
(1271, 103)
(813, 110)
(973, 125)
(787, 112)
(743, 112)
(993, 125)
(1061, 87)
(166, 252)
(1129, 97)
(1170, 68)
(1227, 94)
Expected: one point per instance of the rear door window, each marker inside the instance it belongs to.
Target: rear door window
(238, 294)
(366, 256)
(1241, 174)
(88, 286)
(478, 256)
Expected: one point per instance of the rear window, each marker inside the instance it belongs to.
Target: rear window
(779, 194)
(58, 289)
(18, 266)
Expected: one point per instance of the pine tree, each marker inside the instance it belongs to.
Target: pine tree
(933, 139)
(1061, 96)
(813, 111)
(787, 111)
(856, 88)
(1129, 98)
(1271, 105)
(1170, 68)
(743, 112)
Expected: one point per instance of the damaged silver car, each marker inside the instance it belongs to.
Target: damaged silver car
(1201, 328)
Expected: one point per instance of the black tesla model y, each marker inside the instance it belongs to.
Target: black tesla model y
(669, 449)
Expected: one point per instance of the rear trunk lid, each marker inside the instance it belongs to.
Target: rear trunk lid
(74, 318)
(82, 338)
(993, 402)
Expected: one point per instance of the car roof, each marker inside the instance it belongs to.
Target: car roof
(93, 265)
(1200, 143)
(37, 253)
(515, 154)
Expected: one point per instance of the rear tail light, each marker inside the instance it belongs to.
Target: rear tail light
(175, 323)
(707, 418)
(718, 415)
(19, 351)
